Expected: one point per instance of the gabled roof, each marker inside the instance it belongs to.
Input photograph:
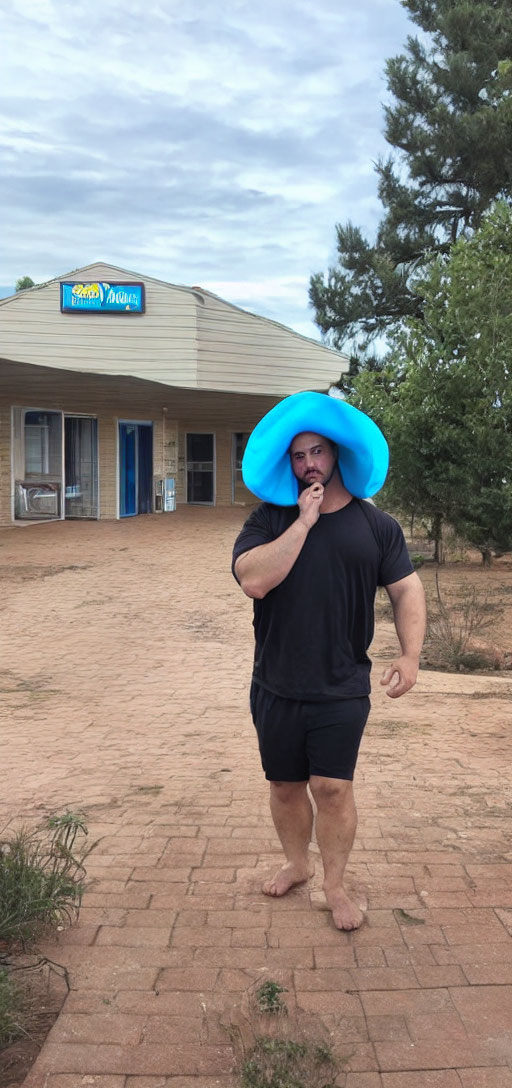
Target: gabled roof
(195, 290)
(188, 337)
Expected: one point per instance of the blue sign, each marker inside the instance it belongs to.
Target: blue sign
(104, 298)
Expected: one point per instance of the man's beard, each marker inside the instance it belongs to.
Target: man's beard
(303, 484)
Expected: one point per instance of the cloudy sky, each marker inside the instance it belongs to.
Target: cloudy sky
(213, 142)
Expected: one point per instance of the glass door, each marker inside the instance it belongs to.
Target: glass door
(201, 468)
(135, 469)
(37, 464)
(145, 469)
(239, 492)
(81, 467)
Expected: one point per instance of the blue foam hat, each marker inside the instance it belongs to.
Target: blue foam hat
(363, 451)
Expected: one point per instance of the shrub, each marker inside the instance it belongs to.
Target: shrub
(41, 877)
(452, 629)
(10, 1002)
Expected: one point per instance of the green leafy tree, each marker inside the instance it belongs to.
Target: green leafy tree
(470, 329)
(450, 123)
(444, 399)
(395, 398)
(23, 283)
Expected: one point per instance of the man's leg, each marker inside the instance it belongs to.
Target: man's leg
(336, 823)
(293, 820)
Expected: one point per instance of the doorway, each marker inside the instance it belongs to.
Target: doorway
(80, 467)
(201, 468)
(55, 465)
(135, 469)
(239, 492)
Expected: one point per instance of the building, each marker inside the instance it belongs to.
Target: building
(121, 394)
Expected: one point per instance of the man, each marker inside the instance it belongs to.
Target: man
(312, 570)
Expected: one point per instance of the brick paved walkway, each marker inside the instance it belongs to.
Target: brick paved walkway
(126, 660)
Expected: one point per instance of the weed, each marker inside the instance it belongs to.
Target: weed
(453, 627)
(34, 687)
(417, 559)
(324, 1053)
(455, 547)
(505, 694)
(268, 998)
(286, 1063)
(41, 877)
(393, 725)
(10, 1002)
(276, 1050)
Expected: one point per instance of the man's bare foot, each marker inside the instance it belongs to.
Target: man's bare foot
(287, 877)
(345, 913)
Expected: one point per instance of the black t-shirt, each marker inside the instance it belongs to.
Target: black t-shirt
(314, 629)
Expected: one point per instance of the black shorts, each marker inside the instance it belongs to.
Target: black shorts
(300, 739)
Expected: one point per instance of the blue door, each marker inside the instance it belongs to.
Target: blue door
(135, 468)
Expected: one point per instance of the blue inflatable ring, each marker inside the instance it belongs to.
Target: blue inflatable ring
(363, 450)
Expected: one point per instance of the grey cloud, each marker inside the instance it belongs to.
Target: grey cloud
(170, 178)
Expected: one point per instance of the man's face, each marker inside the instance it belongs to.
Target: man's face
(312, 458)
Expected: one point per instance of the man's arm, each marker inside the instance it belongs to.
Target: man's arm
(409, 612)
(266, 566)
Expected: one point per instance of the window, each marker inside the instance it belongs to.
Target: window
(37, 443)
(42, 444)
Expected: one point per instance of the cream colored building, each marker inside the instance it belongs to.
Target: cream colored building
(109, 413)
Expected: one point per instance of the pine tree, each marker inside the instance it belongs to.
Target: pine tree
(450, 124)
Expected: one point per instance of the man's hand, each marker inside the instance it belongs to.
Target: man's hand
(310, 501)
(400, 676)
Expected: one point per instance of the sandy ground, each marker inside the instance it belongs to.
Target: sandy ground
(126, 657)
